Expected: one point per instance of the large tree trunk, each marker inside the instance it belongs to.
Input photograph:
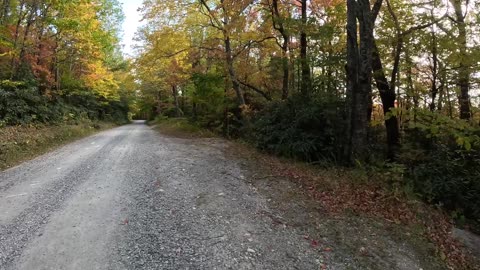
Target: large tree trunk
(305, 86)
(363, 96)
(359, 76)
(388, 97)
(351, 71)
(463, 69)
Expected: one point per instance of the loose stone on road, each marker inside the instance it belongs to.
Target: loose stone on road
(131, 198)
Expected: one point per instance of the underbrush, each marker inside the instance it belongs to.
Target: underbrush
(439, 161)
(363, 192)
(22, 104)
(309, 130)
(20, 143)
(441, 164)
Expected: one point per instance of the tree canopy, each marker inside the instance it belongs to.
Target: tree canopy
(64, 55)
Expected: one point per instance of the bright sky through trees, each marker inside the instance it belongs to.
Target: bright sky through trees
(131, 23)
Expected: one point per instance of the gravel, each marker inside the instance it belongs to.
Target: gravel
(130, 198)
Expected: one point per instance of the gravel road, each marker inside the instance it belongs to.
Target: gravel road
(131, 198)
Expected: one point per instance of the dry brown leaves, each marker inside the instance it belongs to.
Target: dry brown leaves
(337, 193)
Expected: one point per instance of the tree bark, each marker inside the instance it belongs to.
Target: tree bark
(388, 97)
(229, 58)
(352, 72)
(305, 86)
(434, 87)
(278, 25)
(463, 69)
(359, 76)
(231, 70)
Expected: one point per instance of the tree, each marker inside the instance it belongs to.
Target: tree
(463, 80)
(306, 84)
(279, 24)
(359, 75)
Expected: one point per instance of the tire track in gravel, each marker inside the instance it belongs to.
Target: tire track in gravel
(20, 231)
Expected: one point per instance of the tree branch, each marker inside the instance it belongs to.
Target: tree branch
(256, 89)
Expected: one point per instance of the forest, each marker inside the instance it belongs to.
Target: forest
(60, 61)
(386, 84)
(390, 86)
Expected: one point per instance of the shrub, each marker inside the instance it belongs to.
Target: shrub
(442, 156)
(21, 104)
(307, 130)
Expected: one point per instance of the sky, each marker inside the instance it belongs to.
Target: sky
(131, 23)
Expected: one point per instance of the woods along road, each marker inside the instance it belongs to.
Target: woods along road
(131, 198)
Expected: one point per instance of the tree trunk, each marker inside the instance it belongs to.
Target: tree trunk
(434, 88)
(363, 95)
(305, 87)
(441, 92)
(352, 73)
(388, 97)
(178, 110)
(159, 103)
(278, 25)
(21, 16)
(463, 69)
(286, 68)
(229, 58)
(359, 76)
(30, 20)
(231, 72)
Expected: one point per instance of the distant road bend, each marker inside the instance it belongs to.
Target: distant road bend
(130, 198)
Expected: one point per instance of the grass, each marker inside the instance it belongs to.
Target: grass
(181, 128)
(21, 143)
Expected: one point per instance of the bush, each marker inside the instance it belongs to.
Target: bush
(450, 177)
(21, 104)
(442, 157)
(296, 128)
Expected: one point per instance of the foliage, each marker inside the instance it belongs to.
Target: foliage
(442, 157)
(60, 61)
(22, 104)
(307, 130)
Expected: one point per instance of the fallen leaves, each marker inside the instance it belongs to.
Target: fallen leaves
(371, 199)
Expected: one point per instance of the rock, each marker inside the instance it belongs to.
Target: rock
(469, 239)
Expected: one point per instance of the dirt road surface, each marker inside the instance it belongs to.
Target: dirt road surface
(131, 198)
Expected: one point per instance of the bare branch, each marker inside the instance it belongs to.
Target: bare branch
(256, 89)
